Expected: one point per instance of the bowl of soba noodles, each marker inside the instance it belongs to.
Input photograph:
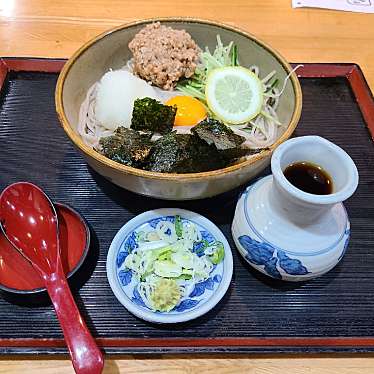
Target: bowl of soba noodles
(177, 108)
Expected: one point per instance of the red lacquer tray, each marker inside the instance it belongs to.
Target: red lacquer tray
(331, 313)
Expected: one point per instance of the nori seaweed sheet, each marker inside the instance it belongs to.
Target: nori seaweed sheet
(217, 133)
(225, 140)
(150, 115)
(184, 153)
(212, 145)
(127, 147)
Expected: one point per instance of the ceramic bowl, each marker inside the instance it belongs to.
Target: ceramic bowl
(17, 276)
(204, 296)
(110, 51)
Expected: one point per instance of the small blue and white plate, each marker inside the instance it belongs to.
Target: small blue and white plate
(204, 296)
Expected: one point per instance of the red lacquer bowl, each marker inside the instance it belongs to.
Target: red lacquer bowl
(18, 276)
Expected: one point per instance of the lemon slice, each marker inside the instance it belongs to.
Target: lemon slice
(234, 94)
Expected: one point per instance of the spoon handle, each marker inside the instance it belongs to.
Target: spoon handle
(85, 354)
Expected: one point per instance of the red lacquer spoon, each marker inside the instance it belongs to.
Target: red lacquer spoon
(29, 221)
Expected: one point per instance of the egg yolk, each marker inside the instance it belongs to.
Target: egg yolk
(190, 111)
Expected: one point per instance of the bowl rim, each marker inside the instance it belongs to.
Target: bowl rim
(164, 318)
(77, 266)
(86, 150)
(336, 197)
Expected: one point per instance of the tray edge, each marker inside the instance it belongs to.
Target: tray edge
(353, 73)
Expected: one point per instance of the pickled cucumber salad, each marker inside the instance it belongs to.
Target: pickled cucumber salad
(170, 264)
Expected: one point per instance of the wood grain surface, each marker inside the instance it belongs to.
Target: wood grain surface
(57, 28)
(203, 365)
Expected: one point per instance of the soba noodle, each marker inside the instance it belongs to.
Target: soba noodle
(259, 133)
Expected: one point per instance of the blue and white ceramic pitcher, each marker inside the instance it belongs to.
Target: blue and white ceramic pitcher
(290, 234)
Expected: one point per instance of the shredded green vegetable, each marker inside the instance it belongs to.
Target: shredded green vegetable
(221, 57)
(178, 226)
(218, 253)
(170, 260)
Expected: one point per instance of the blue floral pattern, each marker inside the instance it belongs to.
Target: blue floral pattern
(186, 304)
(264, 254)
(217, 278)
(291, 266)
(271, 268)
(205, 285)
(131, 243)
(199, 247)
(125, 277)
(137, 299)
(121, 257)
(153, 223)
(207, 236)
(258, 253)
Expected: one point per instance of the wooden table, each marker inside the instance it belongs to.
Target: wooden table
(57, 28)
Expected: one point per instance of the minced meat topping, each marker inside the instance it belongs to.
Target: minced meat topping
(163, 55)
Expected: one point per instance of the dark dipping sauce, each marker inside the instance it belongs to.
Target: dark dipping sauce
(309, 177)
